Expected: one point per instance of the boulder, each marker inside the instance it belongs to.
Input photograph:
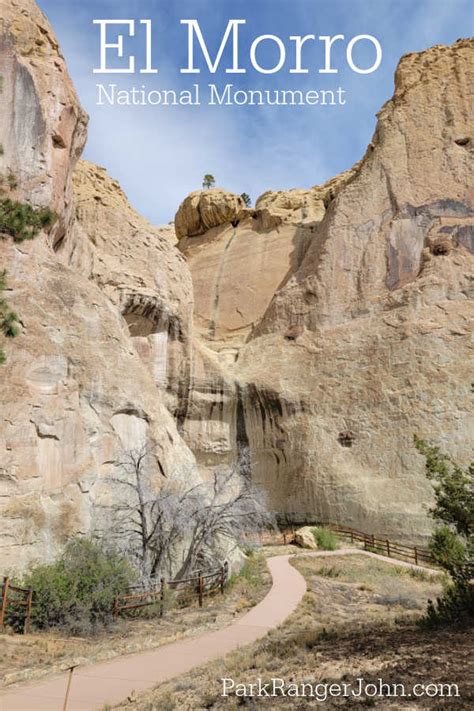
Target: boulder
(304, 538)
(204, 209)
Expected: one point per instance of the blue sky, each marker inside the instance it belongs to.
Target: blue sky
(159, 154)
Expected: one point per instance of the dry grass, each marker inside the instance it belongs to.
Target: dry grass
(358, 619)
(36, 655)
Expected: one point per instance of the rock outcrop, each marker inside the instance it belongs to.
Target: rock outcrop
(204, 209)
(236, 270)
(74, 391)
(319, 330)
(245, 256)
(137, 266)
(303, 208)
(384, 322)
(369, 330)
(304, 538)
(42, 125)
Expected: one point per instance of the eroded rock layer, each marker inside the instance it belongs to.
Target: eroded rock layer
(367, 338)
(319, 329)
(74, 392)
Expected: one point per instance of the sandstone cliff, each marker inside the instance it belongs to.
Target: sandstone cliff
(382, 303)
(74, 391)
(349, 315)
(319, 329)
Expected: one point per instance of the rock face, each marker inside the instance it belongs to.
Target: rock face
(205, 209)
(136, 265)
(247, 255)
(368, 331)
(302, 208)
(74, 391)
(384, 321)
(42, 126)
(319, 330)
(236, 269)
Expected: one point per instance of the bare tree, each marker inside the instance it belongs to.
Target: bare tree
(230, 510)
(192, 521)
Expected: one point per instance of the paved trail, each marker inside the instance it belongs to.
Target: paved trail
(111, 682)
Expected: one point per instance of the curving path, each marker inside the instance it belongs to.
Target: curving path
(111, 682)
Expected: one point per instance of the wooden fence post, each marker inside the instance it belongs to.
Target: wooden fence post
(29, 603)
(352, 537)
(162, 596)
(373, 541)
(68, 688)
(115, 610)
(222, 579)
(200, 588)
(416, 555)
(284, 538)
(6, 583)
(388, 548)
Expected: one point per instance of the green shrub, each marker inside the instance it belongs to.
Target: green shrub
(325, 539)
(22, 221)
(12, 181)
(250, 572)
(329, 572)
(8, 318)
(453, 489)
(448, 549)
(452, 543)
(77, 592)
(454, 608)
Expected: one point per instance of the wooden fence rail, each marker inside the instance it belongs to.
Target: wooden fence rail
(195, 587)
(15, 603)
(392, 549)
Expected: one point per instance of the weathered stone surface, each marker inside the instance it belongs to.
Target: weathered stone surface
(74, 395)
(74, 391)
(236, 271)
(301, 207)
(370, 329)
(330, 324)
(204, 209)
(237, 268)
(293, 206)
(127, 257)
(418, 178)
(137, 266)
(42, 125)
(385, 323)
(303, 537)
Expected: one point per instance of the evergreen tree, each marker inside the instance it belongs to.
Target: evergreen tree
(452, 543)
(208, 181)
